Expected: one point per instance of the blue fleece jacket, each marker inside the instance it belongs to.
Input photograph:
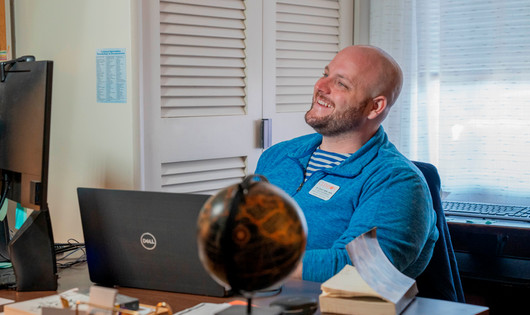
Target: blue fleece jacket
(375, 187)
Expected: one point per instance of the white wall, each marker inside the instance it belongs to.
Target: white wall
(92, 144)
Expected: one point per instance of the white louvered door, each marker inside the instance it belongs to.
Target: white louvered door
(202, 111)
(204, 96)
(202, 116)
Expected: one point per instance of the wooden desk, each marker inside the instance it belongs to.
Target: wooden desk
(78, 277)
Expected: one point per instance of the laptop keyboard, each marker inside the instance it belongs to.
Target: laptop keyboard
(486, 211)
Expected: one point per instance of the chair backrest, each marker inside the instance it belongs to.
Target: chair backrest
(440, 280)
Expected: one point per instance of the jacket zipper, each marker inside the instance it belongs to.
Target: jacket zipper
(300, 187)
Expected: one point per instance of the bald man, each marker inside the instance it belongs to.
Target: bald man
(347, 177)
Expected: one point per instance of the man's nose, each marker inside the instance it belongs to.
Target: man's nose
(323, 85)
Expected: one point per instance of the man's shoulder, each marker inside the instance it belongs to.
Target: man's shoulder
(394, 162)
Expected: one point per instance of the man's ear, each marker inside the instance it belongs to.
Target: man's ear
(379, 105)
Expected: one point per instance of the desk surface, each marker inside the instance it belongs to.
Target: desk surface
(77, 277)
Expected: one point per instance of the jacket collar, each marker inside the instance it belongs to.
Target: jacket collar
(353, 165)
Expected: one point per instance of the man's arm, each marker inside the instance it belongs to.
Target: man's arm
(401, 208)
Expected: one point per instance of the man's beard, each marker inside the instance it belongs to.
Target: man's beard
(337, 123)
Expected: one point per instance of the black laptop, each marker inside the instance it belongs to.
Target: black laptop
(144, 239)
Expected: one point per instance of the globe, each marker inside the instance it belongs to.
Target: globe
(251, 235)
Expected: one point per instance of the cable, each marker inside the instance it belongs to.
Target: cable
(65, 247)
(67, 250)
(4, 254)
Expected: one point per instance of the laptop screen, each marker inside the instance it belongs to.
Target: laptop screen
(145, 240)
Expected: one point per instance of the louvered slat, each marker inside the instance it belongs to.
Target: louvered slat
(188, 71)
(295, 90)
(209, 187)
(231, 4)
(203, 51)
(203, 62)
(202, 58)
(308, 46)
(207, 101)
(213, 8)
(196, 41)
(202, 175)
(187, 92)
(307, 38)
(184, 19)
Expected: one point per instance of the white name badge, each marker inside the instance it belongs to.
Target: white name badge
(324, 190)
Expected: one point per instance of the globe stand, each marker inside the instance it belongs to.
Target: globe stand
(249, 310)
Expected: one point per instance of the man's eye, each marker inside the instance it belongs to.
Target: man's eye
(324, 74)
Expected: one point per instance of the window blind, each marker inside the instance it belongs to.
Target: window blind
(464, 105)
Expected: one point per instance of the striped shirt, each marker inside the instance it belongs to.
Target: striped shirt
(323, 159)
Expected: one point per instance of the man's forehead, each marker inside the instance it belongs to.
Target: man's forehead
(345, 67)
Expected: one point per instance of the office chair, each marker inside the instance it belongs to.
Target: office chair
(440, 280)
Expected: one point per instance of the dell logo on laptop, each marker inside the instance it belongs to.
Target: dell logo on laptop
(148, 241)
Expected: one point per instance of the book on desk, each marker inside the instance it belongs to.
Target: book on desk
(373, 286)
(348, 293)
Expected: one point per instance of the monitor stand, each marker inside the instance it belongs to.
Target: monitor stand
(31, 251)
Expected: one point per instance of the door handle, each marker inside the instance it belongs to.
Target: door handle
(266, 133)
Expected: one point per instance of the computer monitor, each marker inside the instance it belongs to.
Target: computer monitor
(25, 112)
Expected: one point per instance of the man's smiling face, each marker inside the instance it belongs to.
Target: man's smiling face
(340, 98)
